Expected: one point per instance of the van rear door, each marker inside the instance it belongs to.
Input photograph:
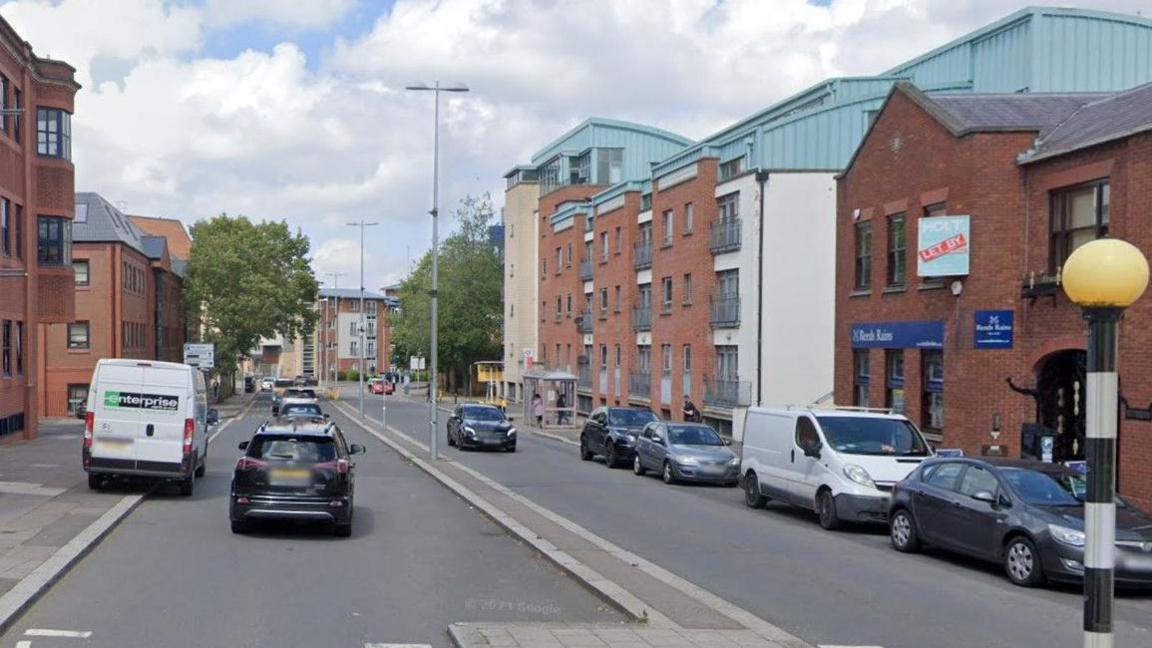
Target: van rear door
(115, 426)
(163, 403)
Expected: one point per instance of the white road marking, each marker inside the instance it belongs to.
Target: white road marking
(845, 646)
(23, 644)
(41, 632)
(28, 488)
(45, 465)
(241, 415)
(391, 645)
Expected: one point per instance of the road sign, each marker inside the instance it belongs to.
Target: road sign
(202, 356)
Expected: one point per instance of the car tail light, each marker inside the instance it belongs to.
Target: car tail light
(340, 466)
(89, 425)
(248, 463)
(189, 430)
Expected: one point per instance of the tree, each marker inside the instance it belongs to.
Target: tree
(246, 281)
(471, 296)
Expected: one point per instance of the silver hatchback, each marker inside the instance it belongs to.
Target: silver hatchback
(686, 452)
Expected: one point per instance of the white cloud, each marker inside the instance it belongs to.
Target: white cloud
(292, 13)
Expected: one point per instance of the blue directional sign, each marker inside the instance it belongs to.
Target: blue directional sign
(994, 329)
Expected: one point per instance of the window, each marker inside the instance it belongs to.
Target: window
(54, 242)
(78, 335)
(603, 355)
(689, 218)
(80, 267)
(19, 348)
(617, 299)
(729, 206)
(936, 209)
(54, 133)
(932, 374)
(550, 175)
(806, 434)
(354, 348)
(666, 302)
(569, 263)
(897, 250)
(351, 328)
(4, 85)
(728, 283)
(619, 241)
(666, 357)
(77, 394)
(894, 387)
(644, 359)
(863, 255)
(581, 168)
(688, 288)
(669, 219)
(944, 475)
(727, 362)
(609, 165)
(5, 228)
(543, 269)
(19, 228)
(860, 373)
(568, 305)
(370, 348)
(559, 260)
(977, 479)
(18, 103)
(603, 246)
(618, 356)
(645, 202)
(687, 358)
(603, 300)
(559, 310)
(1079, 215)
(6, 349)
(81, 213)
(731, 168)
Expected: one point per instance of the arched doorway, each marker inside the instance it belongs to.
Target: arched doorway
(1060, 398)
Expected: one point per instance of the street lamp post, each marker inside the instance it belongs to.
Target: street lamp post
(435, 89)
(360, 367)
(1103, 277)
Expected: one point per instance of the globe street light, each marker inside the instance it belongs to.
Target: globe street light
(435, 89)
(1103, 277)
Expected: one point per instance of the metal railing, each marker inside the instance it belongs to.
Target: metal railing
(724, 311)
(725, 235)
(586, 321)
(584, 377)
(585, 269)
(642, 255)
(640, 384)
(642, 318)
(725, 392)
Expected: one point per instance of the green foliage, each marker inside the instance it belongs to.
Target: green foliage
(471, 295)
(246, 281)
(352, 375)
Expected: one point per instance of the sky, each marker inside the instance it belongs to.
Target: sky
(296, 110)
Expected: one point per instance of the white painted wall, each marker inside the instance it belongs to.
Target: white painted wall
(521, 278)
(743, 260)
(799, 288)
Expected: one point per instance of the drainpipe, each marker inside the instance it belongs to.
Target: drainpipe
(762, 183)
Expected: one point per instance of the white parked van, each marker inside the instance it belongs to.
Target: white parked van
(148, 419)
(841, 463)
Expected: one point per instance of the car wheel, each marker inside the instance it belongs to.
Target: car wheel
(902, 531)
(826, 510)
(451, 441)
(95, 482)
(239, 527)
(203, 467)
(667, 474)
(342, 530)
(610, 458)
(753, 498)
(186, 486)
(510, 448)
(1022, 562)
(585, 453)
(638, 467)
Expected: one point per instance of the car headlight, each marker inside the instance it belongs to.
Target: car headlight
(469, 431)
(511, 431)
(859, 475)
(1064, 535)
(687, 461)
(630, 438)
(734, 461)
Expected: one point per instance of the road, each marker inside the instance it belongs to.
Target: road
(172, 574)
(827, 587)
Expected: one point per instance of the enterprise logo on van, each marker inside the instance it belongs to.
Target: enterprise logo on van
(141, 401)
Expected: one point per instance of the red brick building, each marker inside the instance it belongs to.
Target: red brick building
(992, 359)
(129, 303)
(36, 203)
(337, 343)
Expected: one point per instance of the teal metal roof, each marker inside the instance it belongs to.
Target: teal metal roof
(616, 191)
(598, 131)
(570, 210)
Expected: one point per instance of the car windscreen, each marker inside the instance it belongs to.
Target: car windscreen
(693, 435)
(292, 448)
(630, 417)
(284, 382)
(300, 409)
(873, 436)
(483, 414)
(1046, 489)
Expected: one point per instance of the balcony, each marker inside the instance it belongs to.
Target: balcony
(640, 384)
(725, 392)
(585, 324)
(584, 377)
(642, 255)
(559, 317)
(725, 311)
(725, 236)
(586, 270)
(642, 318)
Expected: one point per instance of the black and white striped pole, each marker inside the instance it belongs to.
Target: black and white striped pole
(1103, 277)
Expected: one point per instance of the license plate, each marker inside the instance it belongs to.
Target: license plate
(112, 445)
(292, 474)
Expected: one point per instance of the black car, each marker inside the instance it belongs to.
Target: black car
(475, 425)
(300, 407)
(612, 432)
(291, 392)
(1026, 515)
(298, 469)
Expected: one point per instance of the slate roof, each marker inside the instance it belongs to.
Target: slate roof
(179, 267)
(179, 243)
(1004, 112)
(349, 293)
(105, 223)
(154, 246)
(1112, 117)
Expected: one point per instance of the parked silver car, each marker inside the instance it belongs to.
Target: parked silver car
(686, 452)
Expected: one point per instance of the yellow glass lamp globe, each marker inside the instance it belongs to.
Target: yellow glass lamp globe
(1105, 273)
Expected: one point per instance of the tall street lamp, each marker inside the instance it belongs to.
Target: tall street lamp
(360, 367)
(435, 89)
(1103, 277)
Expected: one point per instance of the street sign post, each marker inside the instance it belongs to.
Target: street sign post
(201, 356)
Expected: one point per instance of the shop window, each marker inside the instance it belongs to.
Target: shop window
(861, 376)
(894, 384)
(1079, 215)
(932, 374)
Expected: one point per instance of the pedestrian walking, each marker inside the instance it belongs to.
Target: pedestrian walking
(691, 414)
(538, 409)
(561, 406)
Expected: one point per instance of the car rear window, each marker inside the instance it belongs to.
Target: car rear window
(300, 409)
(292, 448)
(631, 417)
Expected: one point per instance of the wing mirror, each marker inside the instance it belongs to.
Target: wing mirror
(984, 496)
(213, 417)
(243, 445)
(813, 450)
(727, 442)
(356, 449)
(327, 415)
(656, 438)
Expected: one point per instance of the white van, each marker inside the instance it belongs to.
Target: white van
(147, 419)
(840, 463)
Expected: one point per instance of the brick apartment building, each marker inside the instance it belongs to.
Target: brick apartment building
(129, 293)
(36, 203)
(336, 342)
(991, 357)
(725, 266)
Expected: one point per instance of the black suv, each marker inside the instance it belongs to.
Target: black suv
(295, 468)
(612, 431)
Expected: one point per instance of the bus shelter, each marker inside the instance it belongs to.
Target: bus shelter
(557, 389)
